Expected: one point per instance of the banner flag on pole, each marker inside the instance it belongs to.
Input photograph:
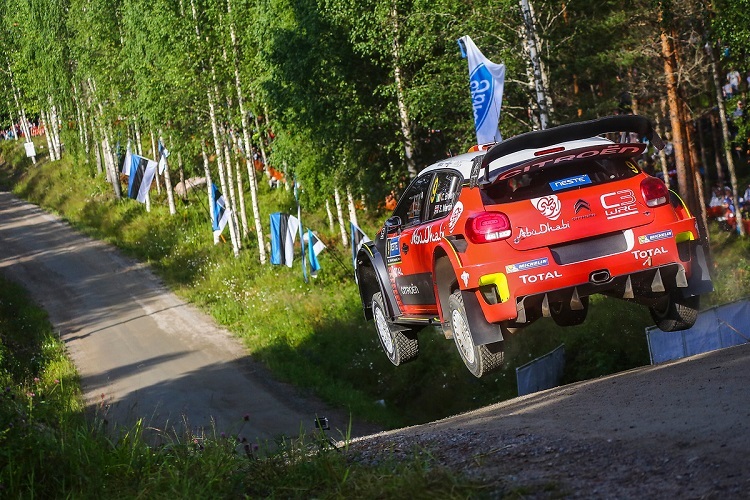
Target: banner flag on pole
(314, 247)
(358, 239)
(221, 212)
(283, 233)
(128, 159)
(163, 155)
(142, 172)
(486, 82)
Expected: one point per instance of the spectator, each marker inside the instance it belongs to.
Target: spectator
(733, 78)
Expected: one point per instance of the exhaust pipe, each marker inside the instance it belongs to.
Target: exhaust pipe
(601, 276)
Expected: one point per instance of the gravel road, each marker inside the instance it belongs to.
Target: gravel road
(675, 430)
(141, 351)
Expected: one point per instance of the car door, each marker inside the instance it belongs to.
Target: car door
(411, 287)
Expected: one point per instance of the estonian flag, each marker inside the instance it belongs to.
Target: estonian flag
(486, 82)
(142, 172)
(358, 239)
(221, 212)
(314, 247)
(163, 155)
(283, 233)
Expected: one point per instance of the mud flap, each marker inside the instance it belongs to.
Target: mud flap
(482, 332)
(699, 281)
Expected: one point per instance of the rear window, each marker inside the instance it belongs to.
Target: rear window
(558, 178)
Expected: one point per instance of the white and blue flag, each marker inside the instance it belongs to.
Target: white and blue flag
(221, 212)
(486, 81)
(141, 175)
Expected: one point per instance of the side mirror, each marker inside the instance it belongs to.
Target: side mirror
(393, 223)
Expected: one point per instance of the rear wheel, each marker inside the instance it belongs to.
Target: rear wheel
(479, 359)
(674, 312)
(563, 315)
(399, 345)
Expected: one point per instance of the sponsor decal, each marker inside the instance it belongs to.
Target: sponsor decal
(608, 150)
(409, 289)
(529, 264)
(582, 205)
(481, 86)
(429, 234)
(647, 254)
(534, 278)
(394, 252)
(544, 228)
(455, 215)
(465, 278)
(395, 272)
(549, 206)
(619, 204)
(650, 238)
(578, 180)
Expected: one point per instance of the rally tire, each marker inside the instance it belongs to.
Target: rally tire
(399, 345)
(563, 315)
(673, 312)
(479, 359)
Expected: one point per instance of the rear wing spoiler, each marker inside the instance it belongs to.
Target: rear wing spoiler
(570, 132)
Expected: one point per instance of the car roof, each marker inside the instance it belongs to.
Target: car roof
(463, 163)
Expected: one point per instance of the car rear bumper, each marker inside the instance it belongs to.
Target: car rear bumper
(519, 285)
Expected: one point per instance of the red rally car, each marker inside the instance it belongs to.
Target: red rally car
(487, 242)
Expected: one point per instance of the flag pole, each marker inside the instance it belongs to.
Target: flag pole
(301, 238)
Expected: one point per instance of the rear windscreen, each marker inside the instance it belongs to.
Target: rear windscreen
(558, 178)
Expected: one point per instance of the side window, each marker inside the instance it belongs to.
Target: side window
(412, 203)
(443, 194)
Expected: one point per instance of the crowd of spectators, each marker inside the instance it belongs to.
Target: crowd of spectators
(15, 131)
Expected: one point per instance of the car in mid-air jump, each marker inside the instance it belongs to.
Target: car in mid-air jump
(485, 243)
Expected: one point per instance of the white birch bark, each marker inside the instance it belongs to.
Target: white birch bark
(54, 121)
(209, 185)
(247, 142)
(138, 142)
(330, 215)
(352, 207)
(50, 148)
(232, 193)
(182, 175)
(220, 165)
(83, 137)
(340, 213)
(403, 112)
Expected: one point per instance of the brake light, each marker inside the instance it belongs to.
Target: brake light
(654, 192)
(487, 227)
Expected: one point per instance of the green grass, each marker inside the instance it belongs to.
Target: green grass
(313, 334)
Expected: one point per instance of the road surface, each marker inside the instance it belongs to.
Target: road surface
(141, 351)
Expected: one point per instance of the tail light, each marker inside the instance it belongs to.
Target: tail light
(654, 192)
(487, 227)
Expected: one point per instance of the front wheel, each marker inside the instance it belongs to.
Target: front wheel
(479, 359)
(399, 345)
(674, 312)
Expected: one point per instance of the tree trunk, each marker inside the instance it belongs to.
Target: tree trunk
(340, 213)
(727, 140)
(220, 164)
(697, 180)
(717, 155)
(231, 169)
(50, 148)
(684, 181)
(330, 215)
(403, 113)
(247, 142)
(536, 64)
(662, 153)
(54, 122)
(82, 135)
(352, 207)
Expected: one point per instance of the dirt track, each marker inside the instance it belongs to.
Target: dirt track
(141, 351)
(677, 430)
